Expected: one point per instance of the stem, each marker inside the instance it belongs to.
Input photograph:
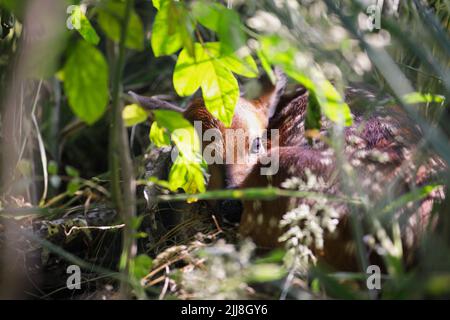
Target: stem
(121, 168)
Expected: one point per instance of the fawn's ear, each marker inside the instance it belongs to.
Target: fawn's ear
(273, 92)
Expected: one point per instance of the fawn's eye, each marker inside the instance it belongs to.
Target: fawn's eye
(256, 146)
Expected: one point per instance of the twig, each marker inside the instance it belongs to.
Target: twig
(119, 226)
(217, 224)
(166, 284)
(153, 103)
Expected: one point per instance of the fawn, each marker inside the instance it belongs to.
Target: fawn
(379, 146)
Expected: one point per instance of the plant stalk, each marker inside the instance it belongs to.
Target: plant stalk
(121, 167)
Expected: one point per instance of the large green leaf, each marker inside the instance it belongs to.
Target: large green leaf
(181, 131)
(188, 169)
(212, 71)
(171, 120)
(86, 82)
(221, 92)
(110, 17)
(81, 23)
(172, 29)
(189, 71)
(187, 175)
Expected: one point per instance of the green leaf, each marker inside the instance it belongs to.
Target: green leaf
(332, 287)
(109, 19)
(266, 66)
(417, 97)
(73, 186)
(182, 132)
(302, 69)
(265, 272)
(172, 29)
(211, 71)
(189, 71)
(171, 120)
(136, 222)
(52, 167)
(243, 65)
(331, 102)
(225, 22)
(156, 4)
(412, 196)
(159, 136)
(72, 172)
(133, 114)
(208, 14)
(86, 82)
(81, 23)
(187, 172)
(231, 34)
(220, 92)
(275, 256)
(142, 265)
(187, 175)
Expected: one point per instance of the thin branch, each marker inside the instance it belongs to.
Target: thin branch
(153, 103)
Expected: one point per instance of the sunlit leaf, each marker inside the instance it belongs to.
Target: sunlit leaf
(182, 132)
(187, 175)
(156, 4)
(220, 92)
(172, 29)
(243, 65)
(171, 120)
(133, 114)
(211, 71)
(86, 82)
(159, 136)
(187, 172)
(189, 71)
(81, 23)
(417, 97)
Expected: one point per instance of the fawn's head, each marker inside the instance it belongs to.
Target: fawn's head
(230, 152)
